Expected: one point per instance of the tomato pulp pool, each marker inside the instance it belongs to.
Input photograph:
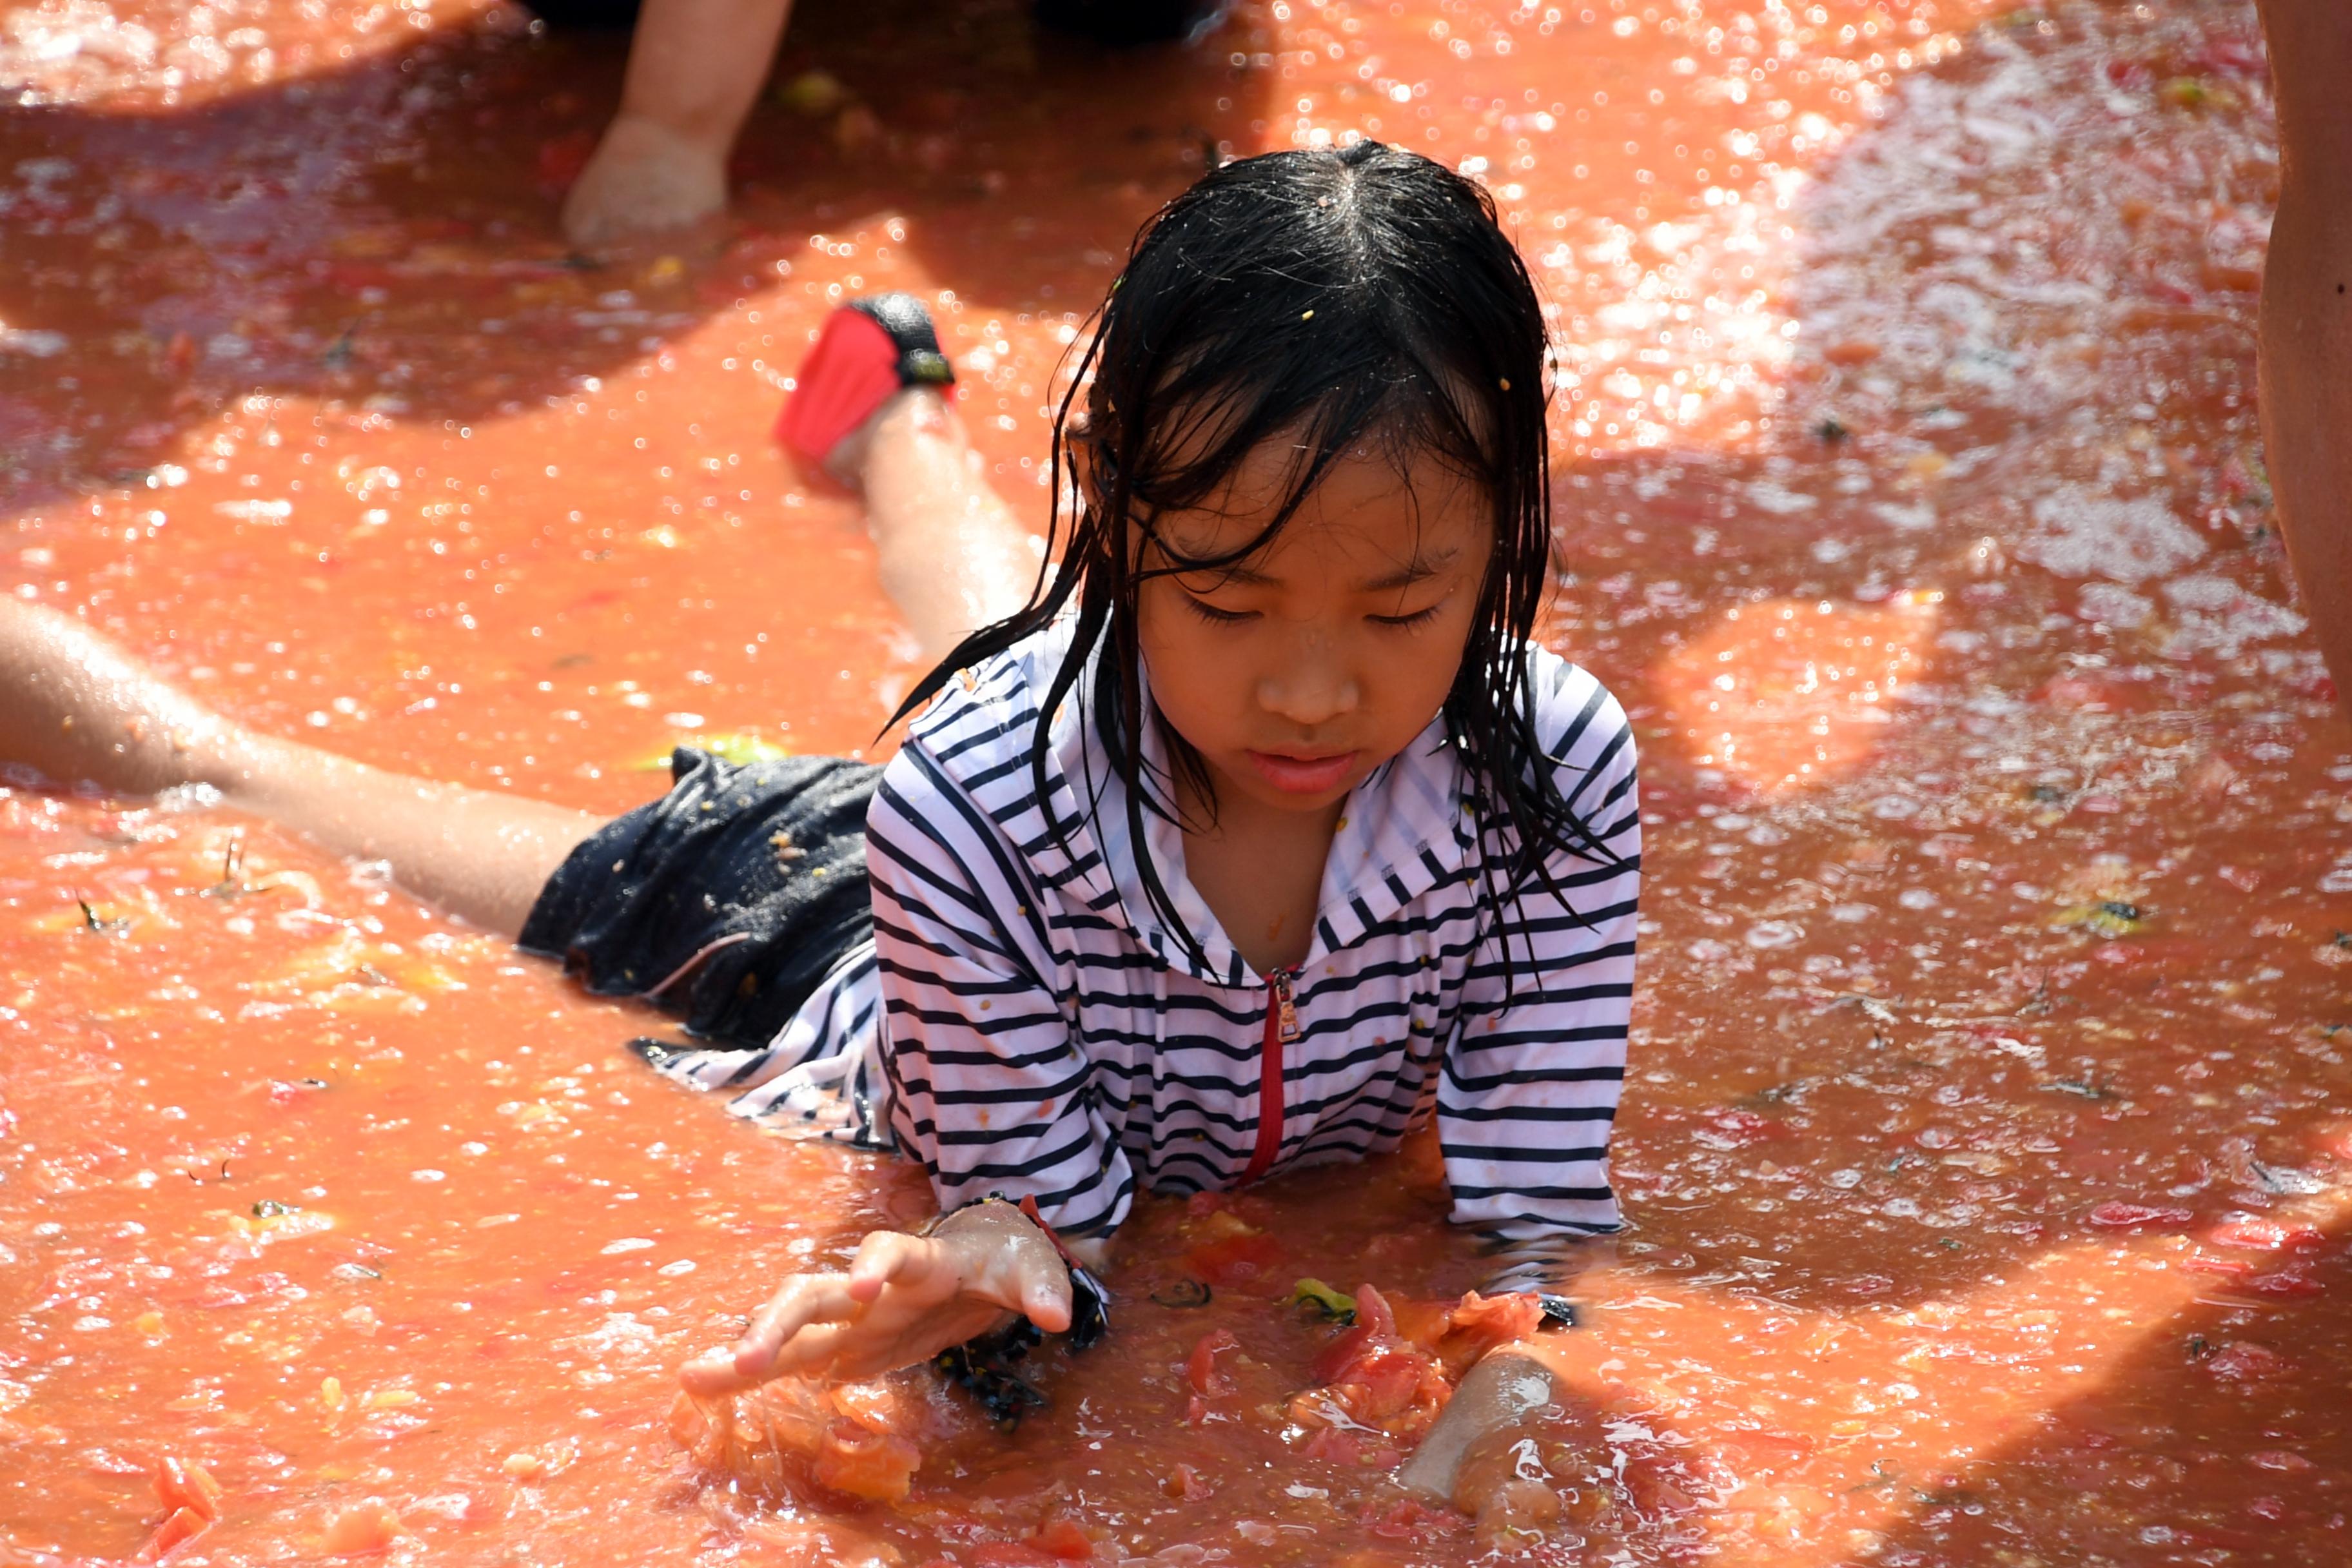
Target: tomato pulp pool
(1986, 1140)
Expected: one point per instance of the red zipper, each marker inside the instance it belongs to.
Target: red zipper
(1281, 1025)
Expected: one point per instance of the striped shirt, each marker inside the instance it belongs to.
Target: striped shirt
(1023, 1022)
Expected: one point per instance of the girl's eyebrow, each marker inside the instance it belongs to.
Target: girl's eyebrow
(1418, 569)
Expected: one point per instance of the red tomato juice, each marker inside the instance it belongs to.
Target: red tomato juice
(1986, 1135)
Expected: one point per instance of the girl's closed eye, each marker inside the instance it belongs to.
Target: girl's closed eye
(1409, 619)
(1217, 616)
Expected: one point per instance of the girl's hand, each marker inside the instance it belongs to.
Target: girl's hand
(905, 1299)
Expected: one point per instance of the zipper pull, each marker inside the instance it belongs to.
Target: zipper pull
(1286, 1010)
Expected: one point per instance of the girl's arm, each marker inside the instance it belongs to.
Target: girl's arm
(988, 1089)
(990, 1086)
(1536, 1061)
(1532, 1077)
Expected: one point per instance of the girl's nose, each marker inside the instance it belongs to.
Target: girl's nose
(1310, 690)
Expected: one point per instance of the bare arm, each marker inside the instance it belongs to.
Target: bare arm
(1506, 1388)
(2306, 314)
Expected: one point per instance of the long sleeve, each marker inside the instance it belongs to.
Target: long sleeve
(991, 1088)
(1535, 1067)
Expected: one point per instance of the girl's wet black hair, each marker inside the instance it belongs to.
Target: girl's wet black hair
(1328, 299)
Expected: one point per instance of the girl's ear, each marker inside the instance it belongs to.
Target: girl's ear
(1084, 452)
(1091, 466)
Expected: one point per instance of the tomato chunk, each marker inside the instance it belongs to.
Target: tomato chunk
(1382, 1384)
(1422, 1322)
(359, 1530)
(183, 1525)
(1185, 1485)
(1497, 1319)
(1412, 1520)
(1062, 1539)
(878, 1467)
(183, 1485)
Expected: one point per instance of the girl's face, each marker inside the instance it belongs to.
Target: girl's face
(1297, 672)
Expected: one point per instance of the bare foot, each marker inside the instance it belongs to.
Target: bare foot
(77, 708)
(643, 178)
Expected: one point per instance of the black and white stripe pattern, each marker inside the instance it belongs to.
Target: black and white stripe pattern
(1039, 1033)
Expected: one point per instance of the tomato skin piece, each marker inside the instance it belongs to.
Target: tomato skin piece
(1200, 1366)
(1063, 1540)
(1333, 1363)
(2292, 1281)
(2127, 1216)
(1234, 1260)
(182, 1526)
(2265, 1236)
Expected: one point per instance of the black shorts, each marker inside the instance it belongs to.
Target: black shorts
(727, 901)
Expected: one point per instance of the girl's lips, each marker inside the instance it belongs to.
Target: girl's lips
(1303, 775)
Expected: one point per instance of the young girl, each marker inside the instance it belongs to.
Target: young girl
(1259, 836)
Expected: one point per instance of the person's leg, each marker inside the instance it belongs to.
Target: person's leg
(951, 554)
(2306, 314)
(76, 708)
(696, 66)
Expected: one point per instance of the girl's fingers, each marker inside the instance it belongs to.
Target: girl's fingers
(812, 1351)
(828, 1325)
(812, 1299)
(1046, 1298)
(887, 1258)
(880, 1257)
(713, 1373)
